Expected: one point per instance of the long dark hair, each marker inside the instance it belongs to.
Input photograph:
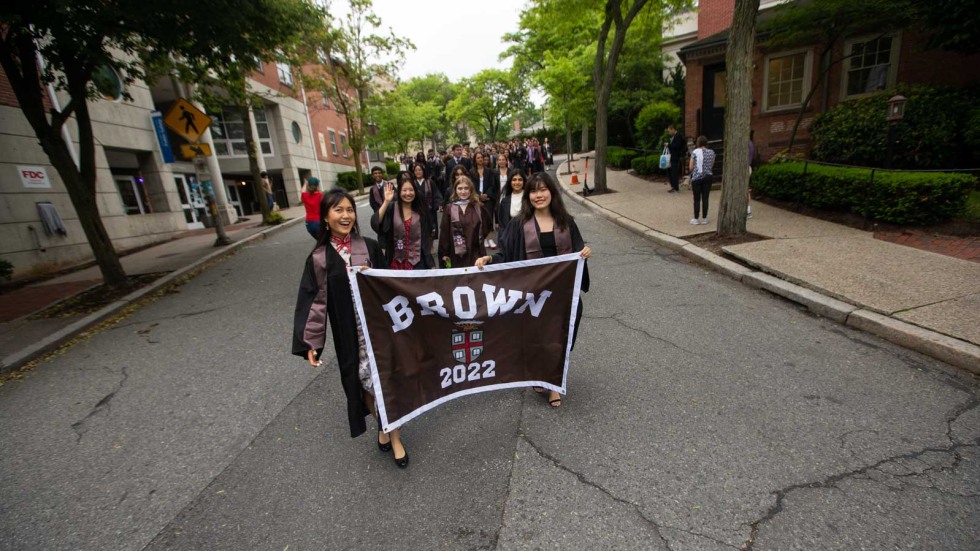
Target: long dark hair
(330, 200)
(557, 207)
(508, 191)
(418, 207)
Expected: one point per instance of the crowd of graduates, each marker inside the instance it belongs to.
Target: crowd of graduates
(443, 211)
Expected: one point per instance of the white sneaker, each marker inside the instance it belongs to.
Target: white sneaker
(486, 245)
(694, 221)
(493, 244)
(704, 220)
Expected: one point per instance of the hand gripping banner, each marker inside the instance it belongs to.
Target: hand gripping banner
(436, 335)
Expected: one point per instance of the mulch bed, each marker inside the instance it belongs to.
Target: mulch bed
(96, 298)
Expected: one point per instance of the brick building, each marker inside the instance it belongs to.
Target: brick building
(782, 78)
(146, 197)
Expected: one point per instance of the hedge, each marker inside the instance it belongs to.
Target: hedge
(392, 167)
(348, 180)
(645, 166)
(908, 198)
(619, 157)
(937, 132)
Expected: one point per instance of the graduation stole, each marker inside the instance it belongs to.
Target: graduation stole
(314, 332)
(532, 244)
(459, 241)
(401, 243)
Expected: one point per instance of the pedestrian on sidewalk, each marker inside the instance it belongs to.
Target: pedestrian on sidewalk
(677, 147)
(543, 229)
(702, 163)
(461, 235)
(325, 295)
(404, 227)
(267, 189)
(311, 197)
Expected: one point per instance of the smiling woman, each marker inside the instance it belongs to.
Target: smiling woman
(325, 295)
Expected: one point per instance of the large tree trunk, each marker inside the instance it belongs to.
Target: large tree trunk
(79, 181)
(568, 141)
(603, 72)
(738, 118)
(252, 146)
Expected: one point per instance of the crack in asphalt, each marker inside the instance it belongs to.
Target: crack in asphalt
(581, 478)
(510, 476)
(80, 427)
(180, 316)
(652, 336)
(832, 480)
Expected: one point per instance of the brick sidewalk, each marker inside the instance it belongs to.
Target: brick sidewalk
(965, 248)
(31, 298)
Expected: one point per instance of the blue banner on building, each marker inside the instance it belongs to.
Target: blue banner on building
(162, 138)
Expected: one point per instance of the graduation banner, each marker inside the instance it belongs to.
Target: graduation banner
(436, 335)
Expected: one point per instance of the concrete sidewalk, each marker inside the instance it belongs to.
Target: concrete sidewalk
(918, 299)
(22, 336)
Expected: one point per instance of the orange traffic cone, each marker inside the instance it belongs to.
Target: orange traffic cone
(574, 179)
(574, 172)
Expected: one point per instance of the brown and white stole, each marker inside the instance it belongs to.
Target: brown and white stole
(532, 244)
(413, 244)
(315, 330)
(459, 240)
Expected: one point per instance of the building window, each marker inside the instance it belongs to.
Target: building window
(870, 65)
(228, 131)
(297, 132)
(326, 100)
(787, 80)
(343, 145)
(131, 193)
(285, 76)
(333, 142)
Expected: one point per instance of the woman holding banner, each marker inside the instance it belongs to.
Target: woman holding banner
(543, 228)
(461, 235)
(325, 295)
(404, 227)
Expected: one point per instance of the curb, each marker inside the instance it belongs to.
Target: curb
(15, 360)
(937, 345)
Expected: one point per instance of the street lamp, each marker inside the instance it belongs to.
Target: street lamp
(896, 112)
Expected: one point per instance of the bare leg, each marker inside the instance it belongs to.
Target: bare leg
(396, 444)
(554, 399)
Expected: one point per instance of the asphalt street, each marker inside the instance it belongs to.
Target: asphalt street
(701, 415)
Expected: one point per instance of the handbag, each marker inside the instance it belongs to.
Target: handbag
(665, 158)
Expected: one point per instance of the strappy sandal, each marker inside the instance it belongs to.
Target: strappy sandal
(556, 403)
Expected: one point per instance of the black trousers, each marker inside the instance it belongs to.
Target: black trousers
(674, 173)
(701, 188)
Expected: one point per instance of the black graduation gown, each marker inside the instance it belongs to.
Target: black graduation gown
(503, 215)
(386, 236)
(343, 326)
(511, 248)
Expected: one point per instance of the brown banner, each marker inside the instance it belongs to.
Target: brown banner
(436, 335)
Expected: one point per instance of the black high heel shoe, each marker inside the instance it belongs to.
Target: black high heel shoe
(403, 462)
(385, 448)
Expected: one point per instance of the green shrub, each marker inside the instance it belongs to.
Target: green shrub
(937, 131)
(911, 198)
(619, 157)
(392, 167)
(348, 180)
(274, 219)
(645, 166)
(651, 123)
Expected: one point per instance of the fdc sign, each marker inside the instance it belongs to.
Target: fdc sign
(34, 176)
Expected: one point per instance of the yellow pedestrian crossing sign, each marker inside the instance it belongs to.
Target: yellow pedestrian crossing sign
(187, 121)
(191, 150)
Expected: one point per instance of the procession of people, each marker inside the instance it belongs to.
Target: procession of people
(491, 203)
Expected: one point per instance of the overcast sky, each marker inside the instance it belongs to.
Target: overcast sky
(458, 38)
